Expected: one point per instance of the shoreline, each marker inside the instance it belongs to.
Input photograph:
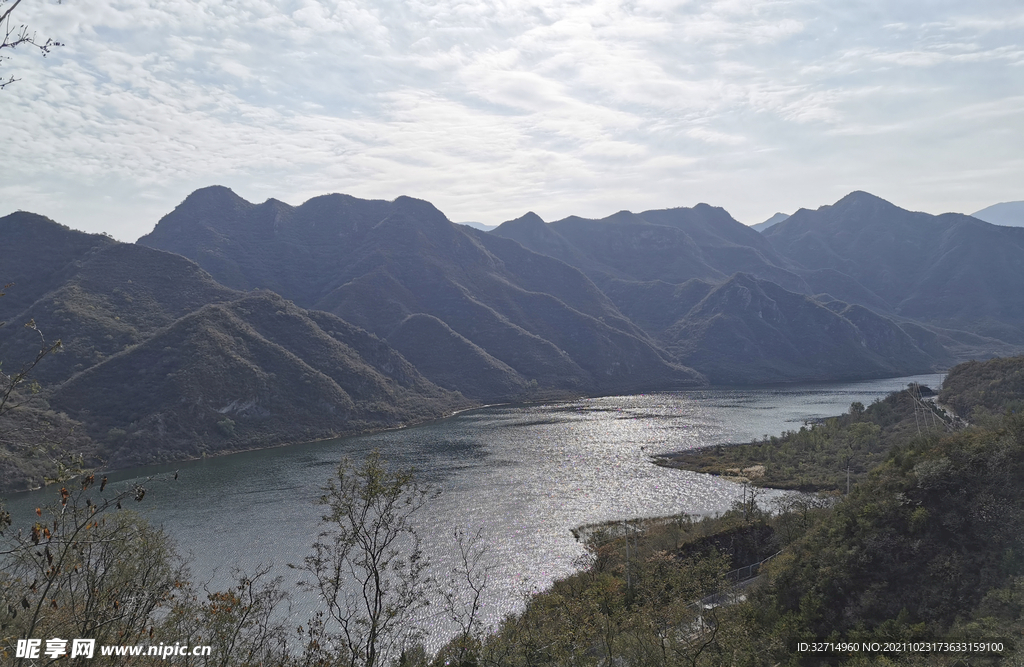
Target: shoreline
(824, 455)
(293, 443)
(662, 460)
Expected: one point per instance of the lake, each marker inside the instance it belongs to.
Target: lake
(522, 475)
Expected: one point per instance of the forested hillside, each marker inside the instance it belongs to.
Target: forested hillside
(992, 387)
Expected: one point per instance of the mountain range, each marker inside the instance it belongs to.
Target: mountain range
(950, 270)
(235, 325)
(770, 222)
(1009, 214)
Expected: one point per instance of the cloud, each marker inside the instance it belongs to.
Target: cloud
(489, 109)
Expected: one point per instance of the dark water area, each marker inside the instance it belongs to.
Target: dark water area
(523, 476)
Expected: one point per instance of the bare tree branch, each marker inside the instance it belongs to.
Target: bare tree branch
(15, 35)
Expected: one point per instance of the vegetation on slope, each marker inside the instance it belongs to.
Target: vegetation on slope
(255, 372)
(985, 388)
(913, 551)
(822, 456)
(749, 331)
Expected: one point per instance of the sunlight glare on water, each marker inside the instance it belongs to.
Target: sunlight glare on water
(522, 475)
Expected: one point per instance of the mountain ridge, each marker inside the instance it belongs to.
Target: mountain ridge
(949, 270)
(146, 331)
(407, 258)
(1008, 214)
(230, 322)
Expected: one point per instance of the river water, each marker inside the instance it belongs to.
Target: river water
(523, 476)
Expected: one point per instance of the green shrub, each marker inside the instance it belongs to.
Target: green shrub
(226, 427)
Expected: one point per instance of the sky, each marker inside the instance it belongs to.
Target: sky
(490, 109)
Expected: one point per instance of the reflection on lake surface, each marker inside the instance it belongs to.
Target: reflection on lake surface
(523, 475)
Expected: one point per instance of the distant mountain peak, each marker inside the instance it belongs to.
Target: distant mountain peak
(859, 194)
(1006, 214)
(406, 200)
(25, 224)
(702, 215)
(213, 193)
(483, 227)
(625, 217)
(528, 221)
(861, 198)
(770, 222)
(420, 208)
(30, 218)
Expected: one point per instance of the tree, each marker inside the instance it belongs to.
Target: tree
(242, 624)
(15, 35)
(90, 569)
(674, 619)
(367, 565)
(84, 570)
(462, 598)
